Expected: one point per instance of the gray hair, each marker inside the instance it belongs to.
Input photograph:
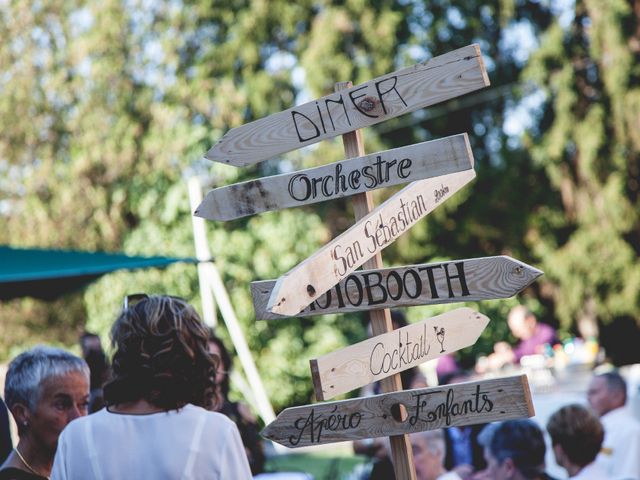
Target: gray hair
(434, 440)
(615, 383)
(29, 369)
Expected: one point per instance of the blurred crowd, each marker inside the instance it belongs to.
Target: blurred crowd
(161, 409)
(598, 440)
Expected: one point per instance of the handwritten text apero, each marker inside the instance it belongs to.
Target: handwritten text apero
(431, 410)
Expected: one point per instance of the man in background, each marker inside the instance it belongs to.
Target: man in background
(620, 454)
(463, 450)
(428, 456)
(532, 336)
(99, 367)
(5, 433)
(514, 450)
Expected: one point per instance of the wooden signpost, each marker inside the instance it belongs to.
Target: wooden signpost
(327, 282)
(441, 78)
(383, 355)
(428, 409)
(356, 175)
(466, 280)
(379, 320)
(311, 278)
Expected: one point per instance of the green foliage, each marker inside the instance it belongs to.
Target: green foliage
(108, 106)
(586, 145)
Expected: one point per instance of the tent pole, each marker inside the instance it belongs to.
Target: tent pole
(203, 254)
(216, 285)
(265, 410)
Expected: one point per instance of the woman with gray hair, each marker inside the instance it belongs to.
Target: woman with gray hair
(45, 389)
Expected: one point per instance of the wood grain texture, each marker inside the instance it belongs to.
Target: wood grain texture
(441, 78)
(380, 320)
(340, 179)
(471, 279)
(393, 352)
(312, 277)
(428, 409)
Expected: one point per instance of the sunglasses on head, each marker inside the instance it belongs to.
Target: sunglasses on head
(132, 300)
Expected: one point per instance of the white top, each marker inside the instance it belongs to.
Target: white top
(449, 476)
(191, 443)
(593, 471)
(620, 455)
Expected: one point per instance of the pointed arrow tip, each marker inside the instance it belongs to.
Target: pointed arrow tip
(210, 155)
(216, 154)
(282, 308)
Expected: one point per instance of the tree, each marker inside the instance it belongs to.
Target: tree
(586, 138)
(109, 105)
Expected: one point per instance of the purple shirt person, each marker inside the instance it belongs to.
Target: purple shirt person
(542, 335)
(532, 335)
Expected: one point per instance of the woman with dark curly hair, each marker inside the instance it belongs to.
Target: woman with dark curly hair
(156, 424)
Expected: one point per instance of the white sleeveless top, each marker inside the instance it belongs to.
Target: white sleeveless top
(191, 444)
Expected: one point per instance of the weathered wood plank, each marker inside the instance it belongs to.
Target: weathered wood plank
(311, 278)
(467, 280)
(441, 78)
(380, 320)
(348, 177)
(428, 409)
(390, 353)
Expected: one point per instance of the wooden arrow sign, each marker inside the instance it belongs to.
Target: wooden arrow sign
(383, 355)
(441, 78)
(304, 283)
(379, 416)
(473, 279)
(361, 174)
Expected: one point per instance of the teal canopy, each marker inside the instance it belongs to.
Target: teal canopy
(48, 274)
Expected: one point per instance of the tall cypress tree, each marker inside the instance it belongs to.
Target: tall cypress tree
(588, 140)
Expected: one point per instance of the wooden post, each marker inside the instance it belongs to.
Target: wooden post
(362, 203)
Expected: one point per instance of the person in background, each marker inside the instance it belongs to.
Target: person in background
(620, 455)
(428, 449)
(514, 450)
(236, 411)
(155, 424)
(464, 453)
(576, 435)
(446, 366)
(532, 336)
(95, 357)
(428, 456)
(5, 433)
(45, 389)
